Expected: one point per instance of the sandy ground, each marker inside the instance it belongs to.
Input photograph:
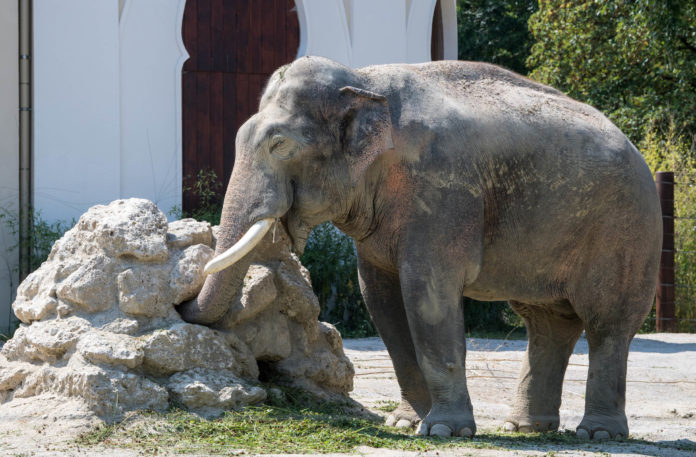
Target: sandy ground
(661, 402)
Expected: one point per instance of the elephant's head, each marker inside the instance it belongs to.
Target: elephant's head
(300, 160)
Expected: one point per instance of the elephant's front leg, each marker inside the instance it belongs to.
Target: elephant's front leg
(436, 319)
(381, 291)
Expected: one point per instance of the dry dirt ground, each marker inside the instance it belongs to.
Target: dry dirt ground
(661, 402)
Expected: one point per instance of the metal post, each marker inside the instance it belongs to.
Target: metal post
(664, 304)
(25, 138)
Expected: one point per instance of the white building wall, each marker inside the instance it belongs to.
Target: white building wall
(76, 106)
(107, 103)
(9, 155)
(367, 32)
(151, 57)
(108, 87)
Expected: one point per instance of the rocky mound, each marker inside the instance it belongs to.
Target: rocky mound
(99, 323)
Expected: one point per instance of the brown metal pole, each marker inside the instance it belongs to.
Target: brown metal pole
(664, 304)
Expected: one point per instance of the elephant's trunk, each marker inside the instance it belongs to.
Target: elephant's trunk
(220, 287)
(214, 298)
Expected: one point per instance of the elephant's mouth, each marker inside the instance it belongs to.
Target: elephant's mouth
(297, 230)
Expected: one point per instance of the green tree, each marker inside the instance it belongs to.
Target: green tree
(635, 60)
(495, 31)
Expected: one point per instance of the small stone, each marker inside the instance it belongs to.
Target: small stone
(124, 326)
(92, 286)
(509, 427)
(144, 292)
(128, 228)
(258, 292)
(46, 341)
(34, 309)
(202, 388)
(187, 278)
(186, 346)
(110, 348)
(188, 232)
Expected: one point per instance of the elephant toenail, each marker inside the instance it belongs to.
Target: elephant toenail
(403, 423)
(391, 421)
(422, 429)
(440, 430)
(465, 432)
(582, 434)
(619, 437)
(510, 427)
(525, 429)
(601, 435)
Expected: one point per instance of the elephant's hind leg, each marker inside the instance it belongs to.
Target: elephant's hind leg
(553, 332)
(382, 294)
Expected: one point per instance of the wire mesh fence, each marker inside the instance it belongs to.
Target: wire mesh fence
(676, 296)
(685, 253)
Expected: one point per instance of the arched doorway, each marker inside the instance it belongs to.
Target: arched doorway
(234, 46)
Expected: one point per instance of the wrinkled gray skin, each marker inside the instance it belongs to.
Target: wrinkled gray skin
(459, 179)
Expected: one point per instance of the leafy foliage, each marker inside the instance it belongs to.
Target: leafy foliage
(209, 207)
(495, 31)
(40, 238)
(635, 60)
(332, 262)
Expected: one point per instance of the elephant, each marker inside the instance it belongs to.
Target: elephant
(455, 179)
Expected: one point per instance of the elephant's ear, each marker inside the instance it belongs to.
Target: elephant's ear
(366, 129)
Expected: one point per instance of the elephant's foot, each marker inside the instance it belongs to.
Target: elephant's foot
(404, 416)
(531, 423)
(447, 424)
(600, 427)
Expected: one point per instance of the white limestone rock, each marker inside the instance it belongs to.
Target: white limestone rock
(258, 292)
(92, 286)
(45, 341)
(186, 278)
(133, 227)
(212, 391)
(144, 292)
(100, 347)
(189, 232)
(185, 346)
(100, 329)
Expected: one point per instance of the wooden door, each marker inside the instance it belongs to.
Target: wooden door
(234, 46)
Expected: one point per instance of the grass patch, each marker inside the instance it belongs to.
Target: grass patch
(388, 406)
(300, 423)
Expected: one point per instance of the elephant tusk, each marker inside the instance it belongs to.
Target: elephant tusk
(245, 244)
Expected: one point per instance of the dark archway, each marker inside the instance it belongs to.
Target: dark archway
(437, 38)
(234, 46)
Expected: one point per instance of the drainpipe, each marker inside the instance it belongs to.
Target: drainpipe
(25, 138)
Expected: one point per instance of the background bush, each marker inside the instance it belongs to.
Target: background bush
(331, 259)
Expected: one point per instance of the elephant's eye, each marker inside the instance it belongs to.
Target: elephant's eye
(280, 147)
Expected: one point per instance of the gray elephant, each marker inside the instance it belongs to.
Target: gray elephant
(456, 179)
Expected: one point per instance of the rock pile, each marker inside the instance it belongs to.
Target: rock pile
(99, 322)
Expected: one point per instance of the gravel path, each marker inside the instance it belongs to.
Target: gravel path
(661, 401)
